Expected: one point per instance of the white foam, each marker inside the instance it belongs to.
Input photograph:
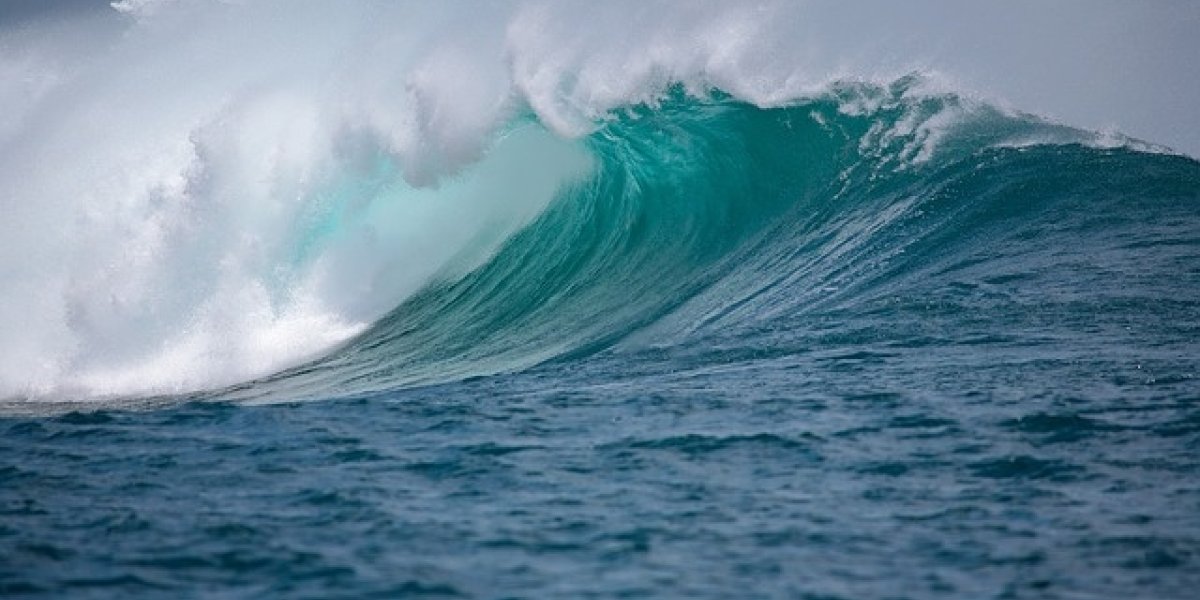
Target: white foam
(159, 197)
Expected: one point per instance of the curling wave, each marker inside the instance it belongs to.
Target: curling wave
(707, 219)
(299, 201)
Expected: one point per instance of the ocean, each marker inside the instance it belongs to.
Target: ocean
(879, 337)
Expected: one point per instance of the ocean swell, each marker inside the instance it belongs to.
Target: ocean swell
(708, 218)
(219, 194)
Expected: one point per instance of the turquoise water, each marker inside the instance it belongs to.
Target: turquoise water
(849, 347)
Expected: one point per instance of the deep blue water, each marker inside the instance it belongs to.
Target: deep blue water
(800, 352)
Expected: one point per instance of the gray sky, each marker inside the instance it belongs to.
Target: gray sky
(1131, 65)
(12, 11)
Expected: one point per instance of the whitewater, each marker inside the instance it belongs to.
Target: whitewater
(627, 299)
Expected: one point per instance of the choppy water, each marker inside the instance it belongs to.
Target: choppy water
(880, 340)
(832, 472)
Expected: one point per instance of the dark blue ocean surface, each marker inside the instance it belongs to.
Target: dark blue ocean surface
(803, 352)
(835, 474)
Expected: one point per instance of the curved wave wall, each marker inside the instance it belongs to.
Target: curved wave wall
(199, 195)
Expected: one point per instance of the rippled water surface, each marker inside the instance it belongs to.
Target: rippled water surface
(826, 473)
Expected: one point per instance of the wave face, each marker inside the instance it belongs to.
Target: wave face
(709, 221)
(696, 222)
